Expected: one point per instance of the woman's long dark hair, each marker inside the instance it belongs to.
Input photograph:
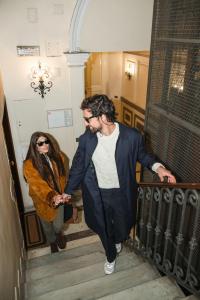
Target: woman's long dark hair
(39, 160)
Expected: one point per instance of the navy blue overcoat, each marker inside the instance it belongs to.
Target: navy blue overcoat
(129, 150)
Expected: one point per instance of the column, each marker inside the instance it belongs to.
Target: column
(76, 63)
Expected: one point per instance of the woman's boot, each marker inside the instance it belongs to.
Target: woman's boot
(61, 240)
(54, 247)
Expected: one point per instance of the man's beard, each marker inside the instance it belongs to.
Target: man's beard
(93, 129)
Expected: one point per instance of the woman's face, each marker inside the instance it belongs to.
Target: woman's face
(42, 145)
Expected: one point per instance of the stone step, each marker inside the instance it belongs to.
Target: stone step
(65, 265)
(192, 297)
(91, 272)
(161, 288)
(66, 254)
(105, 285)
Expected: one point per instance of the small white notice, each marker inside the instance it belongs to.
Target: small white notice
(60, 118)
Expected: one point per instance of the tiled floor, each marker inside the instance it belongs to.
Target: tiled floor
(76, 227)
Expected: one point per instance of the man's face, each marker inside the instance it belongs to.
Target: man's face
(92, 122)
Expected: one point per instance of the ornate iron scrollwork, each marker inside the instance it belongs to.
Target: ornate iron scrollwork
(41, 87)
(169, 221)
(41, 83)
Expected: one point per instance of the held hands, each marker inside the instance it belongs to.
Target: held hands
(57, 200)
(162, 172)
(66, 197)
(61, 199)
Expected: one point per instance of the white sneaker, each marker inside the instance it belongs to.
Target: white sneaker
(109, 267)
(118, 247)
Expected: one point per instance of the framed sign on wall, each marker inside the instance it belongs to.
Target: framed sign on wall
(28, 50)
(60, 118)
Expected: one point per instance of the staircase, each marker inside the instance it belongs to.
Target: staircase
(78, 273)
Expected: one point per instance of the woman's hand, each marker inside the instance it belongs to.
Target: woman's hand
(57, 200)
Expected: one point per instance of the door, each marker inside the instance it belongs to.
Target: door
(93, 75)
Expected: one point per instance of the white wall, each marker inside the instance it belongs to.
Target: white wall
(113, 25)
(19, 26)
(117, 25)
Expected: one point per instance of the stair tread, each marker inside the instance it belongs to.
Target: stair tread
(59, 281)
(105, 285)
(66, 263)
(62, 266)
(192, 297)
(160, 288)
(66, 254)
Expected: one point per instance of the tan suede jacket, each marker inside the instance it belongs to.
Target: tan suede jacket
(41, 191)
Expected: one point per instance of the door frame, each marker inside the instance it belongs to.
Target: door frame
(13, 165)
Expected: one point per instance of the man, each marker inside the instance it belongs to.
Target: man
(105, 165)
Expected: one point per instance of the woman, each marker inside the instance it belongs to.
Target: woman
(45, 170)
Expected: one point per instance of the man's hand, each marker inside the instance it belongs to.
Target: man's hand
(162, 172)
(66, 198)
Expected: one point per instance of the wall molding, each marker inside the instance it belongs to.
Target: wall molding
(132, 115)
(76, 24)
(76, 59)
(141, 110)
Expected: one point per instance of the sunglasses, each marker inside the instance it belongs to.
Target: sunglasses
(88, 119)
(40, 144)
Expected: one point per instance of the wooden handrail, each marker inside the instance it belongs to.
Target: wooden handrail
(171, 185)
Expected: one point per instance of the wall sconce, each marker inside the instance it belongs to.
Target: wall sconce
(178, 87)
(40, 76)
(130, 68)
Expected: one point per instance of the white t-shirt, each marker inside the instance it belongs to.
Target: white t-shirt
(104, 159)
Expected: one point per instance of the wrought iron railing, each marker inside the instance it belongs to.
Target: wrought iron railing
(168, 230)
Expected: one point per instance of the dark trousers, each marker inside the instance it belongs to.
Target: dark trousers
(115, 221)
(52, 228)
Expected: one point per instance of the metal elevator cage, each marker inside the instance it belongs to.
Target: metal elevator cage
(172, 123)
